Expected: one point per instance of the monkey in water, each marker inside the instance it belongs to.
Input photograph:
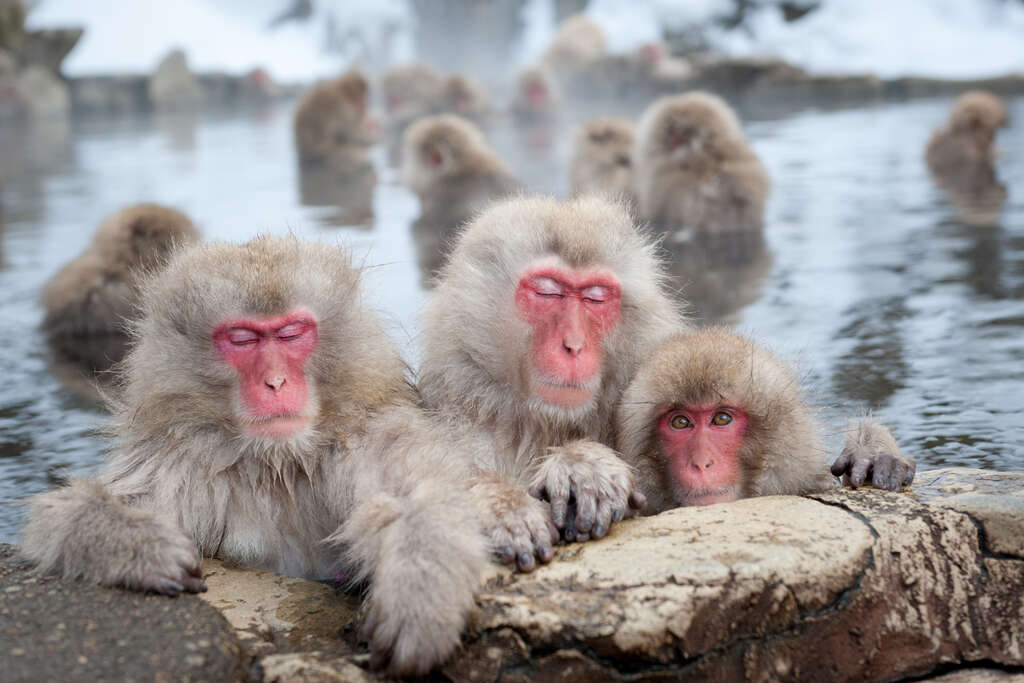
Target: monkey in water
(536, 324)
(462, 96)
(447, 162)
(267, 419)
(536, 98)
(961, 156)
(577, 42)
(97, 293)
(695, 169)
(712, 417)
(332, 123)
(602, 159)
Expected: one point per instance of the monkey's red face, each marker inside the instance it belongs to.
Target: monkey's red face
(537, 95)
(270, 356)
(703, 447)
(571, 312)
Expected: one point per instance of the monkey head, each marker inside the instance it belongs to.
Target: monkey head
(250, 344)
(544, 300)
(535, 92)
(608, 141)
(711, 417)
(437, 147)
(141, 237)
(686, 127)
(978, 114)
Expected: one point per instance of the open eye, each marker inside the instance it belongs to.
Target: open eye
(545, 286)
(291, 332)
(680, 422)
(240, 336)
(596, 294)
(721, 419)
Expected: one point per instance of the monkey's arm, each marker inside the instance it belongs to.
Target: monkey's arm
(599, 482)
(518, 525)
(411, 531)
(85, 532)
(870, 449)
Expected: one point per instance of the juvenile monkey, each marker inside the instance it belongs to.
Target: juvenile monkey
(577, 42)
(332, 125)
(447, 162)
(695, 169)
(961, 156)
(464, 97)
(536, 97)
(712, 417)
(267, 419)
(410, 91)
(601, 158)
(96, 293)
(538, 320)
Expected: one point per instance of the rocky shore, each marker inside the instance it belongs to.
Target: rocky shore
(850, 585)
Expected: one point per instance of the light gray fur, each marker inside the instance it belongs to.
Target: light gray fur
(370, 488)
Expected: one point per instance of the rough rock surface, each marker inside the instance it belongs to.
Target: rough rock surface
(849, 585)
(51, 630)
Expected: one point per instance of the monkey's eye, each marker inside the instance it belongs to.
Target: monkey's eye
(721, 419)
(291, 332)
(545, 286)
(240, 336)
(680, 422)
(596, 294)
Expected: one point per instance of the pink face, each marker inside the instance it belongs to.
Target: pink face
(537, 95)
(703, 447)
(270, 355)
(571, 311)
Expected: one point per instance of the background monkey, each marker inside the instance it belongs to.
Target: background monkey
(712, 417)
(601, 158)
(695, 169)
(96, 293)
(332, 125)
(538, 320)
(266, 418)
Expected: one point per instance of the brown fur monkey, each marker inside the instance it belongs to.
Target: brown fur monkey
(332, 124)
(267, 419)
(535, 97)
(601, 158)
(577, 42)
(695, 169)
(712, 417)
(540, 317)
(447, 162)
(966, 140)
(465, 97)
(96, 293)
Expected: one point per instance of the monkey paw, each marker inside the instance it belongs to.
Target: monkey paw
(870, 449)
(518, 525)
(589, 487)
(412, 630)
(166, 562)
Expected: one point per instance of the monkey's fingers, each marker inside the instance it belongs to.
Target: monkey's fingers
(166, 586)
(841, 464)
(586, 509)
(881, 472)
(910, 467)
(637, 501)
(193, 584)
(603, 521)
(859, 472)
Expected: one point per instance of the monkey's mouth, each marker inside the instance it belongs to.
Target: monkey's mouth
(276, 426)
(564, 394)
(711, 496)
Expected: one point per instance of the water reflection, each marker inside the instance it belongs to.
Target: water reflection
(874, 367)
(348, 191)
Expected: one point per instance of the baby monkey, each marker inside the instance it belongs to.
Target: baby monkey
(601, 158)
(711, 417)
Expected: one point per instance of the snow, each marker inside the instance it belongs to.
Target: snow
(941, 38)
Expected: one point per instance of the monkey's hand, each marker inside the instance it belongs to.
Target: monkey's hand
(870, 449)
(85, 532)
(589, 487)
(424, 555)
(518, 525)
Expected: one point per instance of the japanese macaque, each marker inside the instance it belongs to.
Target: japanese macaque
(97, 293)
(538, 320)
(267, 419)
(961, 156)
(637, 76)
(712, 417)
(464, 97)
(536, 97)
(602, 159)
(577, 42)
(410, 92)
(447, 162)
(332, 124)
(695, 169)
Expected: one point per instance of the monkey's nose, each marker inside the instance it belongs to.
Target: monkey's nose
(275, 382)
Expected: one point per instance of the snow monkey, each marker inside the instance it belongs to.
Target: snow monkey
(96, 293)
(538, 320)
(267, 419)
(966, 140)
(601, 158)
(332, 124)
(712, 417)
(447, 162)
(695, 169)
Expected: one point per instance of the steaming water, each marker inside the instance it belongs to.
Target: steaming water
(871, 285)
